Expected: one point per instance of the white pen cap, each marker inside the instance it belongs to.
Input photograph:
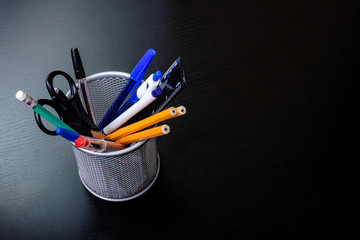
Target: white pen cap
(150, 84)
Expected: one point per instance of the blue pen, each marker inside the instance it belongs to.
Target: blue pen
(133, 110)
(67, 134)
(150, 84)
(134, 80)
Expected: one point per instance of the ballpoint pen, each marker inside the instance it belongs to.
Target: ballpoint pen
(30, 102)
(171, 83)
(150, 84)
(134, 80)
(156, 118)
(97, 145)
(146, 134)
(67, 134)
(134, 109)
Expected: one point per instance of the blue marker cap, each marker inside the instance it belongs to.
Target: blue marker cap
(157, 76)
(156, 92)
(67, 134)
(138, 73)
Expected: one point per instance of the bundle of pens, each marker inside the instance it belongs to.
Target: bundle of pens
(132, 117)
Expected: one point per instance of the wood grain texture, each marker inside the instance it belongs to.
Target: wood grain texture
(265, 149)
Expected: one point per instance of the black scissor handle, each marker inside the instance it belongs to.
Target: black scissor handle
(50, 86)
(38, 117)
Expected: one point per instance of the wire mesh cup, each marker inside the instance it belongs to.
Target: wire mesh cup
(119, 175)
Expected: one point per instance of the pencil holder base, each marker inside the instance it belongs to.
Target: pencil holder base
(123, 199)
(121, 176)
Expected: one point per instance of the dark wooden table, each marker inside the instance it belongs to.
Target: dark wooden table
(268, 146)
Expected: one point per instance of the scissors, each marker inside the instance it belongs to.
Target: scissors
(69, 109)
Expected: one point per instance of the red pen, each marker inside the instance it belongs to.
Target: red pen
(97, 145)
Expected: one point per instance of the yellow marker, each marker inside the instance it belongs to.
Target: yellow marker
(156, 118)
(146, 134)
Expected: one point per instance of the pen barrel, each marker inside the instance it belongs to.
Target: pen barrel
(143, 87)
(97, 145)
(147, 86)
(51, 117)
(67, 134)
(116, 104)
(94, 146)
(133, 99)
(134, 109)
(135, 78)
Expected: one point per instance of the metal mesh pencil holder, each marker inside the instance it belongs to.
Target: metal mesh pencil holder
(120, 175)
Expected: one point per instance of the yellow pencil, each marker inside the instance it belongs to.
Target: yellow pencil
(146, 134)
(180, 110)
(156, 118)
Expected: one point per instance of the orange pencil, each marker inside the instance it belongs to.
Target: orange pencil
(180, 110)
(146, 134)
(156, 118)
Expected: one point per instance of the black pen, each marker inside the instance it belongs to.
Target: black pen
(80, 75)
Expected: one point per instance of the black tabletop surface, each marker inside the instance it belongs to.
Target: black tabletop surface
(268, 145)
